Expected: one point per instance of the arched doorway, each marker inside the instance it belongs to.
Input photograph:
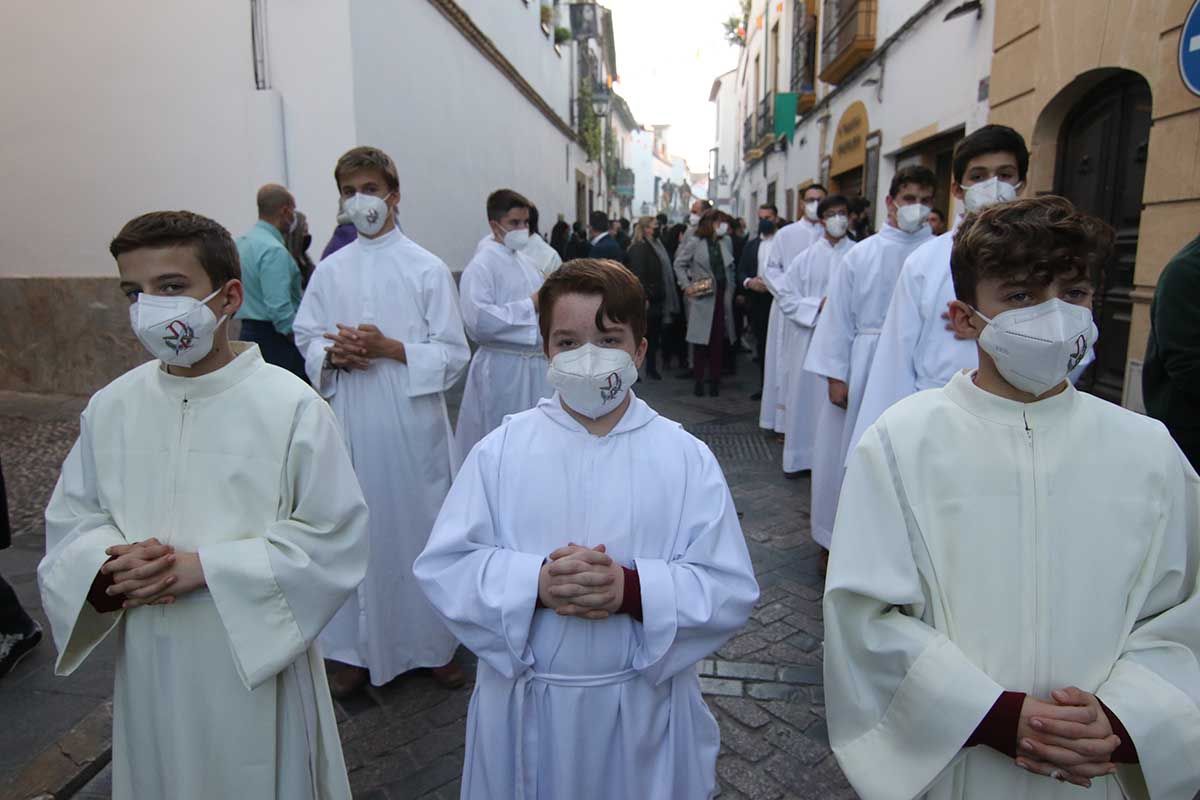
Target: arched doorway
(1101, 168)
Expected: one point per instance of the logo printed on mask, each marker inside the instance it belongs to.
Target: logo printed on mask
(591, 380)
(1081, 348)
(179, 336)
(611, 390)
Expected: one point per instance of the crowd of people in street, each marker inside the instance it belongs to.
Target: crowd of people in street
(274, 521)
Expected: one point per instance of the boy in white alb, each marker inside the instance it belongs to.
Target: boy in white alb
(589, 553)
(1011, 604)
(209, 515)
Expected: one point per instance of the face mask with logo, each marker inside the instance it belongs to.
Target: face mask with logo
(810, 209)
(980, 195)
(910, 218)
(368, 213)
(593, 380)
(837, 225)
(176, 330)
(693, 219)
(516, 240)
(1036, 348)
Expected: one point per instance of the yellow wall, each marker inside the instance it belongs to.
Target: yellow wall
(1048, 53)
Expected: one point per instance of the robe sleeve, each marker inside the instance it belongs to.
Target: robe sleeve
(310, 326)
(797, 306)
(1154, 687)
(893, 374)
(833, 340)
(275, 592)
(775, 269)
(436, 363)
(78, 530)
(491, 322)
(693, 602)
(484, 591)
(901, 697)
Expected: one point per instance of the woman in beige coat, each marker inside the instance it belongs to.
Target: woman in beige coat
(704, 269)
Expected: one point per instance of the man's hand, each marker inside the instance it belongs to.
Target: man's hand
(186, 574)
(757, 284)
(139, 567)
(346, 352)
(1069, 740)
(950, 326)
(839, 393)
(582, 582)
(375, 345)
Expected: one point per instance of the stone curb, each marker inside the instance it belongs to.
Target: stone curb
(65, 767)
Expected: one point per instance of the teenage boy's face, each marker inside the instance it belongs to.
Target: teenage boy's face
(996, 295)
(573, 324)
(1002, 166)
(367, 181)
(515, 219)
(174, 272)
(908, 194)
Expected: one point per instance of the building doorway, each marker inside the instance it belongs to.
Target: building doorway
(1101, 169)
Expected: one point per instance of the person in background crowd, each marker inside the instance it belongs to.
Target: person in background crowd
(674, 338)
(1171, 374)
(623, 233)
(578, 245)
(704, 270)
(19, 633)
(383, 340)
(770, 211)
(937, 221)
(272, 281)
(860, 218)
(648, 260)
(673, 237)
(560, 236)
(604, 244)
(663, 225)
(298, 242)
(342, 235)
(754, 289)
(541, 256)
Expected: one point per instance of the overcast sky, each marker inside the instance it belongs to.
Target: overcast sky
(668, 53)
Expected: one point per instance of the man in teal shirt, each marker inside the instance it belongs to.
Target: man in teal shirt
(272, 281)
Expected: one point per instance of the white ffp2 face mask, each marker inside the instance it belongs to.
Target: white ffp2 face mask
(837, 225)
(910, 218)
(810, 210)
(176, 330)
(980, 195)
(368, 213)
(516, 240)
(1036, 348)
(593, 380)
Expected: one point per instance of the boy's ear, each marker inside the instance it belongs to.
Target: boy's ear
(957, 190)
(964, 322)
(232, 297)
(639, 355)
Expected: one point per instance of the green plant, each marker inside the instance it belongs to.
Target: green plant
(547, 15)
(590, 132)
(561, 35)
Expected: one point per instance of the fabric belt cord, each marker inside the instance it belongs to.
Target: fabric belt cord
(515, 351)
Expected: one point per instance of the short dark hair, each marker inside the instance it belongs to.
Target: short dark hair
(833, 201)
(211, 243)
(913, 173)
(501, 201)
(533, 219)
(662, 218)
(774, 209)
(622, 298)
(940, 214)
(990, 139)
(820, 186)
(360, 158)
(858, 204)
(598, 221)
(1043, 237)
(273, 198)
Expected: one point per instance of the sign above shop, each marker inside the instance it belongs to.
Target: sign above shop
(850, 141)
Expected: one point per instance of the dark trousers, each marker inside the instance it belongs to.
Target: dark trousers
(759, 313)
(276, 348)
(711, 356)
(13, 618)
(654, 324)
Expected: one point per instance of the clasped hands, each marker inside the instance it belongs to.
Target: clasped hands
(577, 581)
(1069, 739)
(354, 348)
(151, 573)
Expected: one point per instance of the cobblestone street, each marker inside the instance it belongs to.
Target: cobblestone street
(405, 740)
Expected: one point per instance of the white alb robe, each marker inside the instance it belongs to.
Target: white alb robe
(394, 419)
(541, 256)
(789, 242)
(843, 346)
(508, 371)
(915, 351)
(223, 693)
(799, 300)
(986, 545)
(572, 708)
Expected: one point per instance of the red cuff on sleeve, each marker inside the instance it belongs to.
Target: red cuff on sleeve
(631, 600)
(998, 730)
(96, 597)
(1125, 753)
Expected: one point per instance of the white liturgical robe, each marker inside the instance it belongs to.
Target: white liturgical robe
(984, 545)
(222, 693)
(842, 348)
(544, 258)
(799, 299)
(508, 371)
(572, 708)
(789, 242)
(394, 418)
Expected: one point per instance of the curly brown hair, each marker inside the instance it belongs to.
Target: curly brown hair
(1039, 238)
(623, 299)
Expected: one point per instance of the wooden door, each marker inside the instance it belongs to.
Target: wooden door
(1101, 169)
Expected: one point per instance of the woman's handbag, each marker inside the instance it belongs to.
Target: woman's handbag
(700, 288)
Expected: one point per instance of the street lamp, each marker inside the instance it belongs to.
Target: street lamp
(600, 101)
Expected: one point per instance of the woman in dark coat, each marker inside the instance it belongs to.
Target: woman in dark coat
(648, 260)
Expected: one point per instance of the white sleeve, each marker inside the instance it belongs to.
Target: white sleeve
(829, 353)
(276, 592)
(78, 531)
(1154, 687)
(491, 322)
(794, 303)
(693, 602)
(436, 363)
(309, 329)
(901, 698)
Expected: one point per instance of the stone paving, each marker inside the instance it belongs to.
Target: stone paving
(405, 740)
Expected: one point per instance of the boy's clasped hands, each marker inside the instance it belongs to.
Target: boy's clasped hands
(578, 581)
(1069, 739)
(151, 573)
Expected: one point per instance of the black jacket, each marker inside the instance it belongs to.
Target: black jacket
(644, 263)
(5, 531)
(608, 247)
(747, 267)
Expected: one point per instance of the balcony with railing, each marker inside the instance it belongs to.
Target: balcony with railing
(849, 37)
(765, 118)
(804, 61)
(748, 134)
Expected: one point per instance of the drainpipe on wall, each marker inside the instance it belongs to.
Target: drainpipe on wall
(258, 43)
